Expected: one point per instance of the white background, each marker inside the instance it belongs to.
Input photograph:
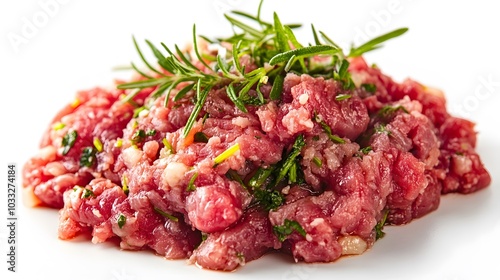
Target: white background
(48, 52)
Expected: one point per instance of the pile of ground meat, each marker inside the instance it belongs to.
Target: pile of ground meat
(115, 171)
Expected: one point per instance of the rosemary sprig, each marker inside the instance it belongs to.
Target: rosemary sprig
(273, 49)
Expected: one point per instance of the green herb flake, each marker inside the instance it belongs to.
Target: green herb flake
(125, 184)
(371, 88)
(191, 186)
(260, 177)
(204, 236)
(388, 110)
(240, 257)
(269, 199)
(121, 220)
(200, 137)
(328, 131)
(380, 226)
(68, 141)
(317, 162)
(168, 146)
(293, 173)
(288, 227)
(137, 111)
(290, 160)
(88, 158)
(141, 134)
(166, 215)
(366, 150)
(87, 193)
(342, 97)
(380, 128)
(138, 136)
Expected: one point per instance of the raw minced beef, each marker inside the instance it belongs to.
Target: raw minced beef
(385, 154)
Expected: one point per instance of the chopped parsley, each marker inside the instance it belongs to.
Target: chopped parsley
(380, 226)
(388, 110)
(88, 157)
(141, 134)
(138, 136)
(68, 141)
(204, 236)
(151, 132)
(291, 159)
(366, 150)
(289, 226)
(265, 179)
(380, 128)
(269, 199)
(227, 153)
(87, 193)
(371, 88)
(121, 221)
(294, 173)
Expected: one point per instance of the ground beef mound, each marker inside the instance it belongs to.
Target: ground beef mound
(397, 151)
